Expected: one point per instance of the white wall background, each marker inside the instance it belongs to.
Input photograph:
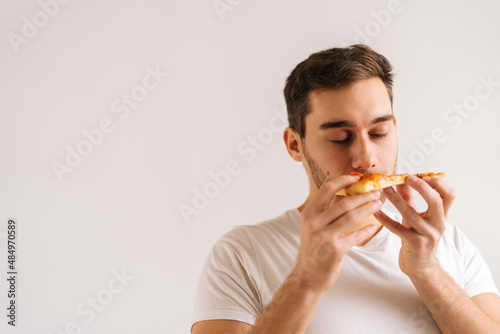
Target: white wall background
(118, 209)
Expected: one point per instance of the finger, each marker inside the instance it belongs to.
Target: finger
(337, 198)
(347, 204)
(406, 193)
(410, 214)
(357, 237)
(392, 225)
(431, 196)
(326, 192)
(353, 217)
(444, 190)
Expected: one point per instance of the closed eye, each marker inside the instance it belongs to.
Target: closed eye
(348, 139)
(343, 141)
(379, 135)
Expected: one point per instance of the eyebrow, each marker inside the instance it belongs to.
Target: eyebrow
(347, 124)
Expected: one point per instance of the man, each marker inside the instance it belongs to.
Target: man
(345, 266)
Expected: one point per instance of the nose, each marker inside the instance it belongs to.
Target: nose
(362, 155)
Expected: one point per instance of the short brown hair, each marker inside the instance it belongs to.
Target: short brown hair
(330, 69)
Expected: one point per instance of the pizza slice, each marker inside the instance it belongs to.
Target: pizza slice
(376, 181)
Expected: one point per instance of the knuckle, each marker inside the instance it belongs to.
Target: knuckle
(441, 228)
(406, 196)
(435, 237)
(335, 248)
(414, 215)
(321, 238)
(436, 196)
(419, 243)
(343, 205)
(350, 216)
(327, 186)
(309, 227)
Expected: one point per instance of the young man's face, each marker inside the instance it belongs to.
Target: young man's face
(350, 129)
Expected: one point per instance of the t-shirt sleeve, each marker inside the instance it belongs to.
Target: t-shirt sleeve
(477, 276)
(227, 287)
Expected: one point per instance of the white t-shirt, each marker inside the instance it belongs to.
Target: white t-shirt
(371, 295)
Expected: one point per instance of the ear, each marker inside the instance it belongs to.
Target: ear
(293, 143)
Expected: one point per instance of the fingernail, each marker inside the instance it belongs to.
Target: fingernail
(389, 190)
(411, 178)
(375, 194)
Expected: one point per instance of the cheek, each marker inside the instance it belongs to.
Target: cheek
(388, 153)
(328, 157)
(336, 162)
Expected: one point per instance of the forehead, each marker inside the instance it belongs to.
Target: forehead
(359, 103)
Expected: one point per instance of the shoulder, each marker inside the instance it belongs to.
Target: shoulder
(262, 247)
(284, 225)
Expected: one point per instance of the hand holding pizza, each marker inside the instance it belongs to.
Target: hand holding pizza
(420, 232)
(324, 234)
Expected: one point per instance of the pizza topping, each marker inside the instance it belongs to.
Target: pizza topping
(377, 181)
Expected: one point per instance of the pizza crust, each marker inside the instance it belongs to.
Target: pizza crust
(377, 181)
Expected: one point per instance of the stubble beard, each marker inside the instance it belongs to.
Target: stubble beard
(317, 174)
(320, 176)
